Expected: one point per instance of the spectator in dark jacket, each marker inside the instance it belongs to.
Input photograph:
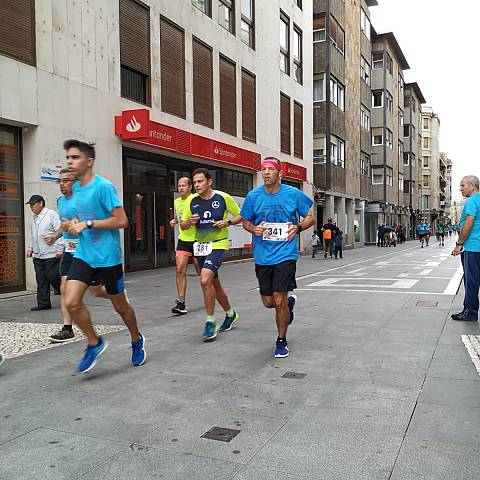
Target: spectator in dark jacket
(338, 244)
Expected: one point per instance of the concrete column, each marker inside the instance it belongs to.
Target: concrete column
(342, 224)
(329, 208)
(362, 221)
(350, 211)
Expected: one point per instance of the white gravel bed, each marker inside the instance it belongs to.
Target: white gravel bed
(18, 338)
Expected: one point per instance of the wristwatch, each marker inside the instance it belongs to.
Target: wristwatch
(229, 222)
(459, 244)
(299, 228)
(89, 223)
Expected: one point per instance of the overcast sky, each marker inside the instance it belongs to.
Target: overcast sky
(440, 41)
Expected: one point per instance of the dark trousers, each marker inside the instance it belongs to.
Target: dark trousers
(338, 250)
(46, 273)
(328, 246)
(471, 282)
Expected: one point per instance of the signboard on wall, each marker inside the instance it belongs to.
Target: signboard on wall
(50, 172)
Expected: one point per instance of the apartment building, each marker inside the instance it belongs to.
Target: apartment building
(434, 167)
(161, 87)
(448, 183)
(341, 114)
(387, 205)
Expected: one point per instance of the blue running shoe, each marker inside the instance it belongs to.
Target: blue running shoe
(91, 356)
(139, 355)
(281, 349)
(210, 331)
(229, 321)
(292, 300)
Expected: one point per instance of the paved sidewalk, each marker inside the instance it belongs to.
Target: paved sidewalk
(377, 386)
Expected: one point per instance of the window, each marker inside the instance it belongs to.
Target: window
(426, 123)
(319, 151)
(172, 66)
(389, 63)
(17, 30)
(365, 118)
(284, 43)
(410, 102)
(237, 183)
(389, 98)
(406, 159)
(400, 150)
(426, 162)
(319, 28)
(408, 130)
(202, 84)
(228, 96)
(377, 98)
(337, 93)
(406, 186)
(203, 5)
(297, 130)
(400, 118)
(365, 70)
(365, 165)
(389, 139)
(297, 54)
(400, 182)
(337, 35)
(365, 24)
(377, 176)
(247, 23)
(249, 107)
(426, 143)
(226, 15)
(134, 23)
(318, 89)
(285, 124)
(426, 201)
(377, 60)
(377, 136)
(412, 156)
(337, 151)
(426, 180)
(389, 177)
(401, 86)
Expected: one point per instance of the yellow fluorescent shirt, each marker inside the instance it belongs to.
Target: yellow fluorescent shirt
(180, 204)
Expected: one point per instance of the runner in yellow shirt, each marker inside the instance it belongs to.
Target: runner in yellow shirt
(184, 249)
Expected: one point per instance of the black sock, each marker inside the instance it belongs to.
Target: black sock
(284, 339)
(68, 327)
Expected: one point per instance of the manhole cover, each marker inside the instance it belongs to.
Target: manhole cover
(425, 303)
(221, 434)
(296, 375)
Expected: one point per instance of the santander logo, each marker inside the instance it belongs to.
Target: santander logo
(220, 151)
(133, 126)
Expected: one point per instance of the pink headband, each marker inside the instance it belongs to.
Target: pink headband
(271, 163)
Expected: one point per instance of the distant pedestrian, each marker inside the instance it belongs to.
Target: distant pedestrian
(328, 232)
(46, 258)
(440, 232)
(338, 244)
(468, 246)
(315, 241)
(380, 236)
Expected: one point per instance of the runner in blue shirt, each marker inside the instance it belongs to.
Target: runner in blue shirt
(272, 214)
(98, 256)
(422, 231)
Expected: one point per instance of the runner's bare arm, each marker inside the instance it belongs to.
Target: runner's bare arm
(467, 227)
(235, 220)
(305, 224)
(117, 220)
(251, 228)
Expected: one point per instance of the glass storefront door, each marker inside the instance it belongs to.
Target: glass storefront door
(12, 255)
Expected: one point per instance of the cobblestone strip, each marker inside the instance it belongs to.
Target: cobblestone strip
(22, 338)
(472, 344)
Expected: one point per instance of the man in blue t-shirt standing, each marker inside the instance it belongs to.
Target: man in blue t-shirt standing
(272, 214)
(468, 246)
(98, 256)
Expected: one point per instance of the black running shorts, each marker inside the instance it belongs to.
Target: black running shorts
(184, 248)
(65, 263)
(276, 278)
(110, 277)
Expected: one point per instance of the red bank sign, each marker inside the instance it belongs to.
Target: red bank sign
(136, 126)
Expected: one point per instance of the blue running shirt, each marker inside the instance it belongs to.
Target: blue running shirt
(95, 201)
(66, 210)
(282, 207)
(472, 208)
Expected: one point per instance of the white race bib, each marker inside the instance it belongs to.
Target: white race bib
(276, 232)
(202, 249)
(71, 245)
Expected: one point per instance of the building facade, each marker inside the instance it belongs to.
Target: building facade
(161, 88)
(342, 97)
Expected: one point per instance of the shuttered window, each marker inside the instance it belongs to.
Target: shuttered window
(249, 108)
(285, 144)
(172, 61)
(202, 84)
(17, 30)
(135, 50)
(297, 130)
(228, 97)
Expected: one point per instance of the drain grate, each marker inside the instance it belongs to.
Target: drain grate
(426, 303)
(221, 434)
(296, 375)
